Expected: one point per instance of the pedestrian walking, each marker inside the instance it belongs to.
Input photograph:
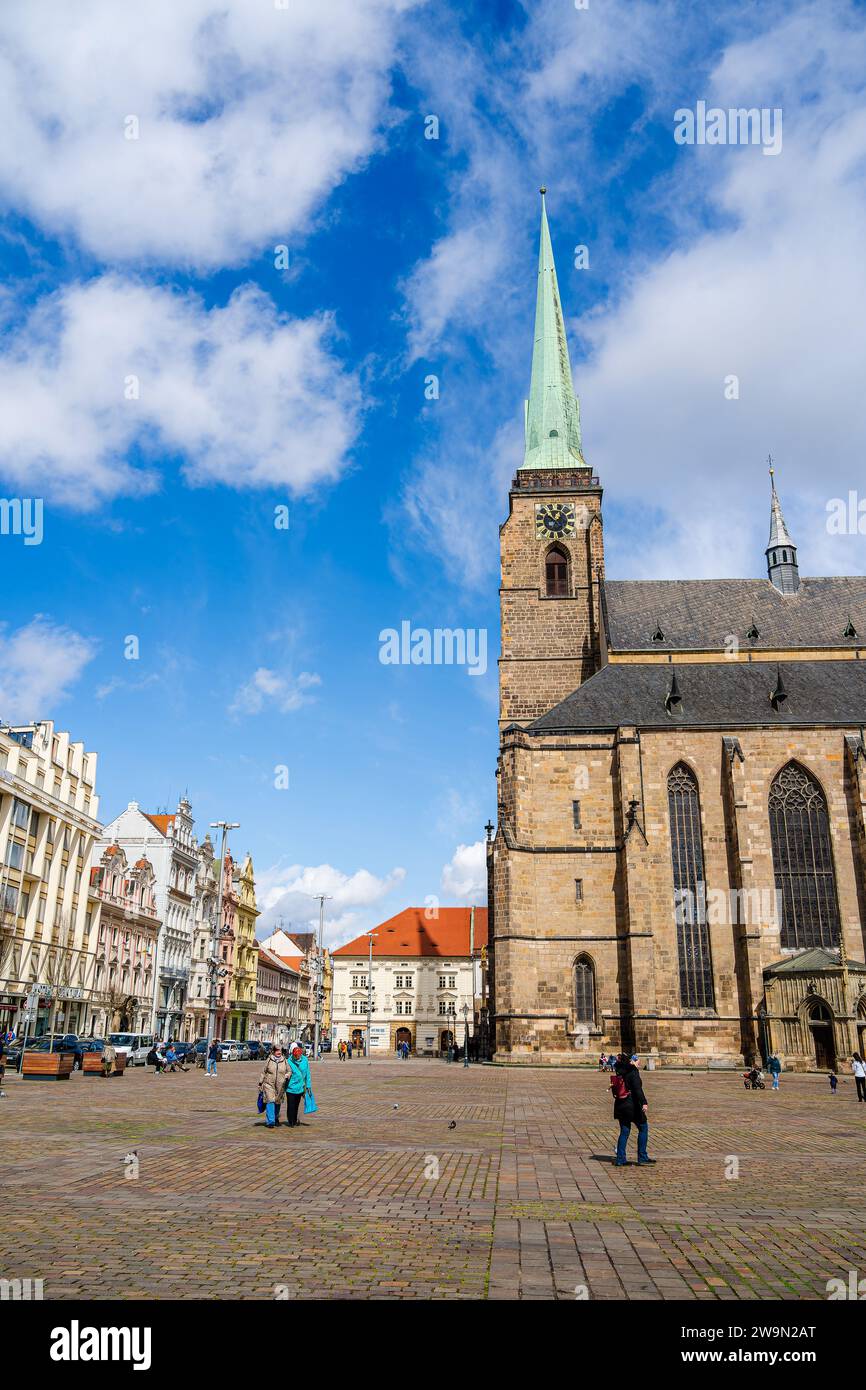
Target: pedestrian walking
(349, 1051)
(629, 1108)
(858, 1066)
(298, 1083)
(109, 1060)
(272, 1085)
(834, 1082)
(213, 1054)
(774, 1067)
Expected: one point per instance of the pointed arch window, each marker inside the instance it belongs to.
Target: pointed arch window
(584, 990)
(690, 897)
(803, 860)
(556, 573)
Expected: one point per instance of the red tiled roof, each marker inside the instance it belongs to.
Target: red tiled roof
(293, 962)
(412, 933)
(161, 822)
(280, 962)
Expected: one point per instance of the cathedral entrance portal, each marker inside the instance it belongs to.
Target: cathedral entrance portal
(821, 1027)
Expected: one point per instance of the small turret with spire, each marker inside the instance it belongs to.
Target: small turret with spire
(552, 413)
(781, 551)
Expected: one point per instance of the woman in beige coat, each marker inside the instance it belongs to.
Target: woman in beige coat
(272, 1084)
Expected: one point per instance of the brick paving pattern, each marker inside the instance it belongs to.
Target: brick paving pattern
(526, 1203)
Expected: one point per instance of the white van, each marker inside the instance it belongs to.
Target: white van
(134, 1046)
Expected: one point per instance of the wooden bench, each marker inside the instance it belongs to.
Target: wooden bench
(92, 1064)
(48, 1066)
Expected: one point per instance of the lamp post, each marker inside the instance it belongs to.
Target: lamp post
(214, 963)
(320, 970)
(370, 935)
(466, 1035)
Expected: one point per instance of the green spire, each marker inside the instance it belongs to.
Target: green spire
(552, 422)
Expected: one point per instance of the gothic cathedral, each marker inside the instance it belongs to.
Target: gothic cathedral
(679, 864)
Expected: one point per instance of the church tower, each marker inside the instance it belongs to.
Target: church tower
(552, 553)
(781, 551)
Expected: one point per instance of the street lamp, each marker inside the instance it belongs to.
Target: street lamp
(466, 1035)
(320, 972)
(370, 934)
(214, 964)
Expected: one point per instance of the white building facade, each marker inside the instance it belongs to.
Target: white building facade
(276, 1016)
(167, 841)
(424, 983)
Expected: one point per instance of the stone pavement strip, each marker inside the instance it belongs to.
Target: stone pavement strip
(377, 1197)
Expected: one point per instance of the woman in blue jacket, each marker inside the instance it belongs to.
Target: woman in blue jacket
(299, 1082)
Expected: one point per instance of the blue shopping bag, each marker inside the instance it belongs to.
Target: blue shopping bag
(310, 1106)
(261, 1103)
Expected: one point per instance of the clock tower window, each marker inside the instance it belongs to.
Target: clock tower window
(556, 573)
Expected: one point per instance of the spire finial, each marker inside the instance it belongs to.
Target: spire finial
(781, 551)
(552, 416)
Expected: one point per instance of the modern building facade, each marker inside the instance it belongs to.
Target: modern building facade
(423, 978)
(679, 864)
(48, 827)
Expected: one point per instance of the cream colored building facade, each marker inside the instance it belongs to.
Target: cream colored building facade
(48, 827)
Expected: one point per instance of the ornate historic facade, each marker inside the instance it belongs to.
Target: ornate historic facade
(679, 865)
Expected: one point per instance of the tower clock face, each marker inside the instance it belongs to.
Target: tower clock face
(554, 519)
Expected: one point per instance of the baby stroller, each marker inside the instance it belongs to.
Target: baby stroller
(753, 1080)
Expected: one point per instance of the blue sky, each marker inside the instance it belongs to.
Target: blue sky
(154, 258)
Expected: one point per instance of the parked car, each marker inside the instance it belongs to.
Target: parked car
(13, 1052)
(62, 1042)
(134, 1046)
(257, 1049)
(244, 1053)
(183, 1050)
(228, 1050)
(325, 1045)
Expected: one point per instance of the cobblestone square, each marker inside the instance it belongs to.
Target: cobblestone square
(377, 1196)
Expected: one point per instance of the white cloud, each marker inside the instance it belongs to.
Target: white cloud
(243, 395)
(266, 687)
(248, 114)
(465, 875)
(285, 892)
(773, 297)
(751, 266)
(38, 664)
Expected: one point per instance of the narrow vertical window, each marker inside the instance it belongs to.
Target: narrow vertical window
(556, 573)
(690, 898)
(575, 814)
(803, 860)
(584, 991)
(578, 890)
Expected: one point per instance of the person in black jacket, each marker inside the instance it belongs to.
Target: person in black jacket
(630, 1110)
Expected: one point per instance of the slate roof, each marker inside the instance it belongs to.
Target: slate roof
(699, 614)
(808, 962)
(722, 694)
